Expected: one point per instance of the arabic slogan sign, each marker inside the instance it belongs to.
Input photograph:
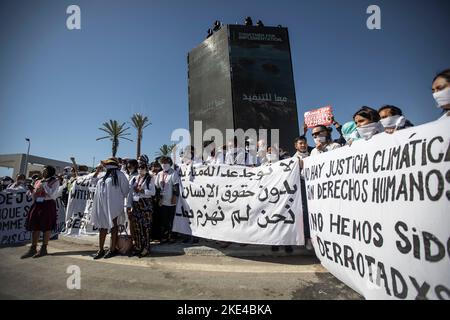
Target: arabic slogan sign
(380, 216)
(14, 207)
(320, 116)
(240, 204)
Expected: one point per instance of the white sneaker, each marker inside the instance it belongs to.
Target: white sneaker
(309, 245)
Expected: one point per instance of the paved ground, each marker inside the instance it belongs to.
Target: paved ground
(166, 275)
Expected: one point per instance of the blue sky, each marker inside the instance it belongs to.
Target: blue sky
(58, 86)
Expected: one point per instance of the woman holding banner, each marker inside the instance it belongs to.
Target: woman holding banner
(368, 122)
(110, 193)
(42, 214)
(142, 188)
(441, 92)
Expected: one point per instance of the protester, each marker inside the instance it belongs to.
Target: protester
(302, 148)
(110, 193)
(6, 181)
(143, 159)
(42, 215)
(367, 122)
(190, 156)
(123, 165)
(70, 182)
(219, 157)
(139, 204)
(235, 154)
(272, 155)
(283, 154)
(132, 168)
(392, 119)
(340, 140)
(251, 158)
(337, 125)
(441, 92)
(64, 189)
(60, 192)
(83, 171)
(155, 168)
(209, 149)
(35, 178)
(168, 182)
(66, 172)
(19, 185)
(323, 141)
(131, 172)
(261, 152)
(303, 151)
(350, 132)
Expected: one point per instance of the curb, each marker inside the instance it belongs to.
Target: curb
(204, 248)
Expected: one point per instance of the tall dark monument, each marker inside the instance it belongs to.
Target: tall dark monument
(241, 77)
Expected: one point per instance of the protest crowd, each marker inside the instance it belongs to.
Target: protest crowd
(147, 190)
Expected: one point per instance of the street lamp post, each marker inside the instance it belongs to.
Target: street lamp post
(28, 153)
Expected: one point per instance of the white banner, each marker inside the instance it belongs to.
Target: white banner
(240, 204)
(79, 209)
(380, 216)
(14, 207)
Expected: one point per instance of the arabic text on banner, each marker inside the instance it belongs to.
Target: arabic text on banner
(259, 205)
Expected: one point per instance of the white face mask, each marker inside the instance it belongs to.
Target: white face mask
(393, 122)
(166, 166)
(272, 157)
(303, 154)
(320, 139)
(369, 130)
(442, 97)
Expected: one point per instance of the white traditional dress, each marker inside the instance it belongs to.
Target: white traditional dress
(109, 200)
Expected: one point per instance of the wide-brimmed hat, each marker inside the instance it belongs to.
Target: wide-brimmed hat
(110, 162)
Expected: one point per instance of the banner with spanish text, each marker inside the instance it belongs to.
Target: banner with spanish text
(379, 213)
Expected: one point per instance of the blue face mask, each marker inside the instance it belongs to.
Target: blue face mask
(352, 136)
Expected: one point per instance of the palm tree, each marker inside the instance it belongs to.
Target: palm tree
(115, 132)
(139, 122)
(165, 150)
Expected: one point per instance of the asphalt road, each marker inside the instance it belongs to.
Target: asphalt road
(164, 276)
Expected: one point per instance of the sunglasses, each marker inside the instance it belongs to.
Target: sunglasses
(315, 134)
